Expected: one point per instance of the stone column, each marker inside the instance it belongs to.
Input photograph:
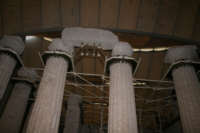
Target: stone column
(187, 87)
(8, 60)
(46, 111)
(72, 120)
(122, 108)
(13, 115)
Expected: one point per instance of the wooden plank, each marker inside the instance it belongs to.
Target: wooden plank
(89, 13)
(88, 65)
(196, 32)
(99, 66)
(31, 15)
(109, 13)
(50, 13)
(157, 65)
(1, 26)
(186, 19)
(70, 12)
(11, 16)
(142, 71)
(79, 64)
(1, 19)
(128, 14)
(147, 15)
(167, 15)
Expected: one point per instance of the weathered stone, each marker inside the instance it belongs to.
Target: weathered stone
(187, 88)
(77, 36)
(72, 120)
(13, 115)
(7, 62)
(122, 109)
(46, 111)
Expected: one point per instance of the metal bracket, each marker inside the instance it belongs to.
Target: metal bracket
(116, 59)
(46, 54)
(195, 64)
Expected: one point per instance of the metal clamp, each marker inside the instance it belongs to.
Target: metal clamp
(116, 59)
(13, 54)
(168, 74)
(46, 54)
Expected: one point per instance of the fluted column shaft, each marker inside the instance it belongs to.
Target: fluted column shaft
(72, 119)
(7, 65)
(122, 108)
(46, 111)
(188, 94)
(12, 117)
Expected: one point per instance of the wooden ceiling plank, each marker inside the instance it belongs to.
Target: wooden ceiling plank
(89, 13)
(147, 15)
(186, 19)
(50, 13)
(70, 12)
(1, 24)
(12, 16)
(31, 15)
(167, 15)
(128, 14)
(109, 13)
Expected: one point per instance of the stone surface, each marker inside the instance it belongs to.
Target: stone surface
(188, 94)
(122, 108)
(72, 119)
(28, 73)
(13, 42)
(187, 88)
(123, 49)
(45, 116)
(76, 36)
(7, 62)
(13, 115)
(57, 45)
(7, 65)
(180, 53)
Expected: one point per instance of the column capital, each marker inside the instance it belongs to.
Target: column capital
(175, 54)
(14, 43)
(59, 45)
(58, 48)
(122, 52)
(122, 49)
(179, 56)
(90, 36)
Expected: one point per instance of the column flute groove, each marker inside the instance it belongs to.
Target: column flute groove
(46, 111)
(187, 86)
(122, 108)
